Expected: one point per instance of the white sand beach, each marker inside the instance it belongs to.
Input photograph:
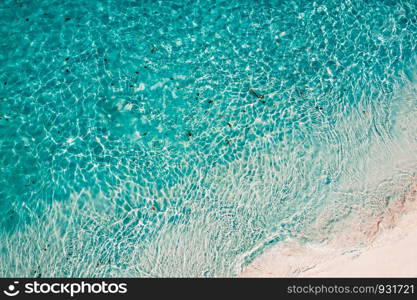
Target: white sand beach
(386, 248)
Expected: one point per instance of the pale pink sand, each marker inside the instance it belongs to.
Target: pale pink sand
(386, 248)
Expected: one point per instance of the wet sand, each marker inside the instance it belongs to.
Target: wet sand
(386, 247)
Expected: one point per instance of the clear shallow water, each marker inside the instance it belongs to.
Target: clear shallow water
(131, 146)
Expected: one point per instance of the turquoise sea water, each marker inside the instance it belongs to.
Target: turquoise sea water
(131, 145)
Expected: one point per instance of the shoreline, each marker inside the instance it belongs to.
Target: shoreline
(385, 247)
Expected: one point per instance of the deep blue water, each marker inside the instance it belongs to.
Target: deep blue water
(131, 143)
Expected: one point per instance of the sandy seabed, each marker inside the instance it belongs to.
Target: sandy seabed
(386, 247)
